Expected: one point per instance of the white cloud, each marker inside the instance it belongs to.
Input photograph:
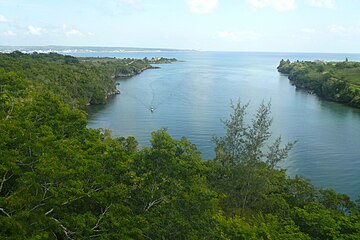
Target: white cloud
(308, 30)
(337, 28)
(3, 19)
(203, 6)
(278, 5)
(258, 3)
(345, 31)
(137, 4)
(34, 30)
(227, 35)
(8, 33)
(73, 32)
(239, 36)
(322, 3)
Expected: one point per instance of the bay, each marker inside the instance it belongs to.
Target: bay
(191, 97)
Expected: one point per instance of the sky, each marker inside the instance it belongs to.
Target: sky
(209, 25)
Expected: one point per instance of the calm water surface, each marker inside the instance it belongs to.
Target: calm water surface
(191, 98)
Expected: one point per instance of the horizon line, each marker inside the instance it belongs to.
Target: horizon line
(172, 49)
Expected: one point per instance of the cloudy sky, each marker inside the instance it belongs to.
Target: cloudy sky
(216, 25)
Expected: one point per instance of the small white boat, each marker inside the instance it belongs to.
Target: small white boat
(152, 109)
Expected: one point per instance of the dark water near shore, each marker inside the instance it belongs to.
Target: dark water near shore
(191, 97)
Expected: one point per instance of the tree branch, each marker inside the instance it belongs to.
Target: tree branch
(147, 237)
(95, 235)
(6, 213)
(46, 190)
(10, 111)
(66, 231)
(39, 205)
(94, 189)
(26, 164)
(153, 203)
(4, 179)
(101, 217)
(48, 212)
(72, 200)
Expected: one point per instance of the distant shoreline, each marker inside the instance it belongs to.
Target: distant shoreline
(84, 49)
(93, 49)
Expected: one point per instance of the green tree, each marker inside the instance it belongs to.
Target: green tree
(171, 192)
(243, 168)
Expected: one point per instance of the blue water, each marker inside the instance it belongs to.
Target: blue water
(192, 97)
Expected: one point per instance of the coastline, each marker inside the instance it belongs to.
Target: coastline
(329, 81)
(134, 73)
(116, 91)
(113, 68)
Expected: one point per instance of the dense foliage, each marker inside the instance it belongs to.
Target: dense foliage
(335, 81)
(60, 180)
(118, 68)
(77, 81)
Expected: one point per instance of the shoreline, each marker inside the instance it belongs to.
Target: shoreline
(114, 68)
(322, 79)
(120, 76)
(137, 72)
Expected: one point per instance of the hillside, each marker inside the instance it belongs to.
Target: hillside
(334, 81)
(77, 81)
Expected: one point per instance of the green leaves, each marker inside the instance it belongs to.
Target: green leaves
(171, 193)
(246, 169)
(244, 143)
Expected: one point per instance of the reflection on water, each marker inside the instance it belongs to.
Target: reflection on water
(191, 97)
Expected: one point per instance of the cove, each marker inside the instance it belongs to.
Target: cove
(191, 98)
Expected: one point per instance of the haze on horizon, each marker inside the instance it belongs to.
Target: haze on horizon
(215, 25)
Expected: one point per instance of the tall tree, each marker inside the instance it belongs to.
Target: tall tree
(245, 160)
